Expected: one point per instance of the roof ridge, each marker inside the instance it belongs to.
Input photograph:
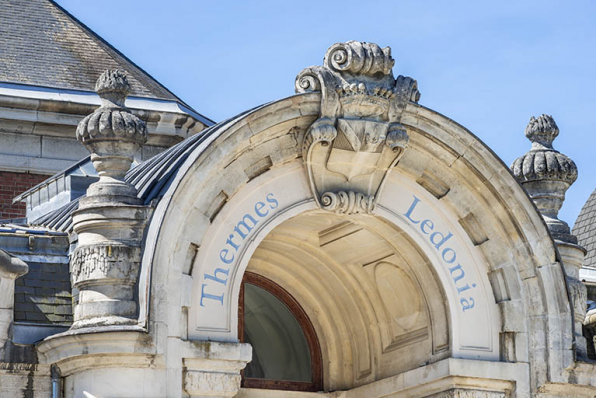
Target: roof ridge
(111, 48)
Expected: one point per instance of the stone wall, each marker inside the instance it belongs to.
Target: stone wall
(11, 185)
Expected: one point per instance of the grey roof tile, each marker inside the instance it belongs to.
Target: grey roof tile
(43, 45)
(585, 230)
(151, 178)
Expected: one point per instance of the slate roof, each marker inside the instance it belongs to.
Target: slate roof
(43, 45)
(151, 178)
(42, 295)
(585, 230)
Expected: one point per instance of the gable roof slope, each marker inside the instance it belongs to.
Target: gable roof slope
(585, 230)
(43, 45)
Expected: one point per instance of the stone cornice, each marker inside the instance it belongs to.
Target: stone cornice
(77, 102)
(51, 112)
(74, 352)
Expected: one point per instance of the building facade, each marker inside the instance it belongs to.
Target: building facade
(342, 242)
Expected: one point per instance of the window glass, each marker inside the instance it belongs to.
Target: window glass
(280, 349)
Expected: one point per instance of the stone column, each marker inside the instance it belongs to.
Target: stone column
(546, 174)
(110, 219)
(10, 269)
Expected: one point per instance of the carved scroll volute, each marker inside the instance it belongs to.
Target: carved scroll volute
(357, 140)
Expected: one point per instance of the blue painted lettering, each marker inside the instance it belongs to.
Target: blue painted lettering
(272, 201)
(231, 242)
(442, 241)
(258, 207)
(465, 304)
(457, 273)
(247, 228)
(411, 209)
(209, 296)
(216, 278)
(439, 241)
(223, 256)
(425, 223)
(241, 231)
(444, 255)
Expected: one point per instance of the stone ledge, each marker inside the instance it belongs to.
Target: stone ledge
(78, 350)
(442, 376)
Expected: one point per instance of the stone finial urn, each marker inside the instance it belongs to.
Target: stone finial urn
(546, 174)
(111, 218)
(112, 134)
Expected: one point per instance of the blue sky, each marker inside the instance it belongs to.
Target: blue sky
(487, 65)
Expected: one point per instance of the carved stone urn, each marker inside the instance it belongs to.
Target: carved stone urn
(111, 218)
(546, 174)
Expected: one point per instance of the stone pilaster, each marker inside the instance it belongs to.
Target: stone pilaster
(110, 219)
(546, 174)
(213, 369)
(10, 269)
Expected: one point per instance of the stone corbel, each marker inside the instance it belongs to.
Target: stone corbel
(212, 369)
(350, 150)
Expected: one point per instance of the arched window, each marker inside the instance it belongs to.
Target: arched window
(286, 353)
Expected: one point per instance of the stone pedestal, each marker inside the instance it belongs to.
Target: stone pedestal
(214, 368)
(572, 256)
(105, 264)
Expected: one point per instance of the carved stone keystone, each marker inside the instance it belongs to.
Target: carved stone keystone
(546, 174)
(110, 219)
(357, 140)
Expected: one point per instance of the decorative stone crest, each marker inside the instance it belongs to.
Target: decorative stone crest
(357, 139)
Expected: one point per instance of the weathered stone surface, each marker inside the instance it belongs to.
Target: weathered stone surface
(10, 269)
(546, 174)
(385, 302)
(357, 139)
(110, 219)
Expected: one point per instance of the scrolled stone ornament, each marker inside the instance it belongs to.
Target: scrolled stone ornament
(308, 80)
(349, 151)
(322, 131)
(359, 57)
(350, 202)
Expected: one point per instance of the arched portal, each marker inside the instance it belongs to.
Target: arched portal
(453, 230)
(373, 284)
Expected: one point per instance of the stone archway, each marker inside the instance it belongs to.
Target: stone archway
(469, 192)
